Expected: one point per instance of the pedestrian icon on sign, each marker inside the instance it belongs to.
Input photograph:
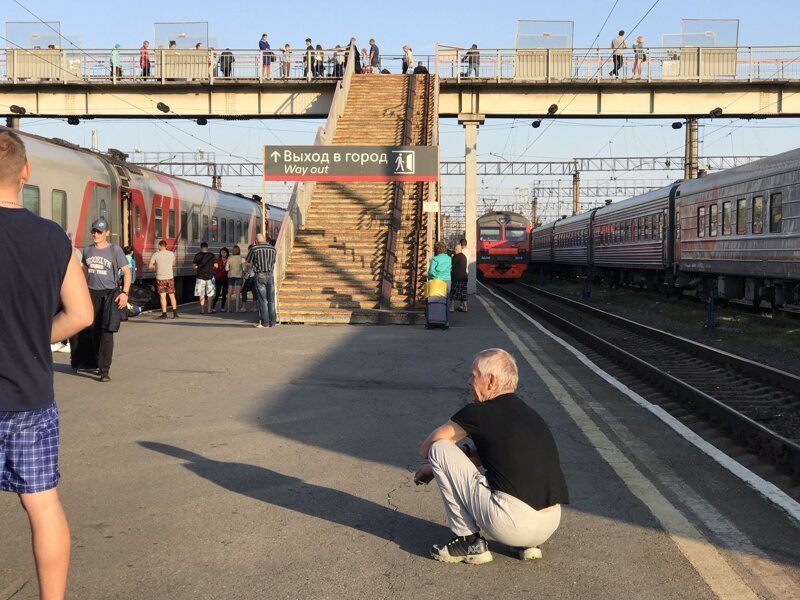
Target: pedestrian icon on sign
(404, 162)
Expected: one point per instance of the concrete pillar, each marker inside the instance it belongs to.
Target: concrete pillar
(690, 151)
(576, 193)
(471, 122)
(12, 123)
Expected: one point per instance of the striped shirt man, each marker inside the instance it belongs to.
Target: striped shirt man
(262, 257)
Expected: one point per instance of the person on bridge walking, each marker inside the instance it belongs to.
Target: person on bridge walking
(518, 499)
(618, 45)
(266, 57)
(473, 59)
(408, 59)
(144, 59)
(94, 346)
(374, 57)
(43, 299)
(262, 258)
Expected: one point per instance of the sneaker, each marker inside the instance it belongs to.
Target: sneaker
(259, 325)
(534, 553)
(55, 347)
(163, 316)
(65, 348)
(459, 550)
(104, 376)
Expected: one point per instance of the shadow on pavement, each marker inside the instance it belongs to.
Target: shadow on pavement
(408, 532)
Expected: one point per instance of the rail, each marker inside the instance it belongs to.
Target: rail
(390, 260)
(300, 202)
(782, 451)
(451, 64)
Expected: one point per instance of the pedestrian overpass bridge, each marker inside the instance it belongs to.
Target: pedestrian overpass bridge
(674, 83)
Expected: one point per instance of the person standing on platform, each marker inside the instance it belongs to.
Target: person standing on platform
(144, 59)
(618, 45)
(221, 279)
(458, 292)
(94, 346)
(203, 263)
(262, 258)
(248, 285)
(374, 57)
(266, 57)
(128, 250)
(235, 269)
(441, 265)
(518, 499)
(163, 262)
(43, 299)
(463, 243)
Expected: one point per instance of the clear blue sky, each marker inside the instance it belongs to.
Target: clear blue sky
(238, 24)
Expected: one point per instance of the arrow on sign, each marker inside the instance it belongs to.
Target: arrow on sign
(275, 156)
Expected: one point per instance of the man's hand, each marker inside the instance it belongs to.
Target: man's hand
(423, 475)
(122, 300)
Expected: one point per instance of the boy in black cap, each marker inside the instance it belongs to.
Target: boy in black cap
(94, 346)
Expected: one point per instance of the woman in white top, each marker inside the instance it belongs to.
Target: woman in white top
(408, 59)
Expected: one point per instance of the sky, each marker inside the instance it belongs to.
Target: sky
(238, 25)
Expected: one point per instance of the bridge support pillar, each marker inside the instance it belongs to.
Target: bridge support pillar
(690, 152)
(471, 122)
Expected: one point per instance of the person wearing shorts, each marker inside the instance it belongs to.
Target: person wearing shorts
(29, 429)
(204, 262)
(163, 262)
(235, 268)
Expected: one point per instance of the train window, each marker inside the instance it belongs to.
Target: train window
(103, 209)
(701, 221)
(30, 199)
(515, 234)
(677, 225)
(137, 221)
(239, 231)
(628, 230)
(214, 229)
(205, 228)
(727, 218)
(647, 224)
(231, 233)
(60, 208)
(171, 224)
(661, 225)
(195, 226)
(224, 230)
(184, 225)
(741, 216)
(758, 214)
(159, 222)
(775, 201)
(490, 234)
(713, 220)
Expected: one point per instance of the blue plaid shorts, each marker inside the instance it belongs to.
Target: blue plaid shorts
(29, 450)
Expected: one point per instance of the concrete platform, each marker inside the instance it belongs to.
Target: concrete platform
(225, 461)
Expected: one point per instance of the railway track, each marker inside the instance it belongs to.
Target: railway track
(756, 406)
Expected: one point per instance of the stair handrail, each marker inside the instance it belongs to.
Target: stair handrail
(421, 195)
(390, 259)
(300, 202)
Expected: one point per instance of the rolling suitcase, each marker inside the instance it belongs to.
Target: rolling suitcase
(436, 315)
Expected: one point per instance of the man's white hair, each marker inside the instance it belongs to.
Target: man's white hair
(498, 362)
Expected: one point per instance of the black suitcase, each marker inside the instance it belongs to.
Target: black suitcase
(436, 315)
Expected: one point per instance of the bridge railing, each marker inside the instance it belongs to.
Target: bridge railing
(751, 63)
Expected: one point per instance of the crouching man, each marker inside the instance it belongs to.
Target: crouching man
(518, 500)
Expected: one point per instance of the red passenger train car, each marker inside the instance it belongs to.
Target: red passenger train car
(503, 245)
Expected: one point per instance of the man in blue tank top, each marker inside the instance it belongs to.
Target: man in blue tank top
(43, 299)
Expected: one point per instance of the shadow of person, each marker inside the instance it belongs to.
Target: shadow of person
(410, 533)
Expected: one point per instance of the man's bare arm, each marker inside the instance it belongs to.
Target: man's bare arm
(77, 312)
(450, 431)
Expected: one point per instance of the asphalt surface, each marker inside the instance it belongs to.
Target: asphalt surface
(224, 461)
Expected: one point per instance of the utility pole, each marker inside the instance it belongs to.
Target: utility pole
(558, 211)
(690, 151)
(535, 212)
(576, 193)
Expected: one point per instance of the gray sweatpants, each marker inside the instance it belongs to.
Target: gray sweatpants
(471, 504)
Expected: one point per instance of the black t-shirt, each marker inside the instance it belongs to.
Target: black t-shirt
(517, 450)
(36, 253)
(205, 265)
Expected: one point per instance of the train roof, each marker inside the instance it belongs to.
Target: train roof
(772, 165)
(115, 157)
(494, 215)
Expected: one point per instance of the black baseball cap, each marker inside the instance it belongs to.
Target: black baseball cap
(100, 225)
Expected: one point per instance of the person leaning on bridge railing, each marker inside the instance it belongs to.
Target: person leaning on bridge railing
(473, 60)
(618, 44)
(226, 60)
(639, 56)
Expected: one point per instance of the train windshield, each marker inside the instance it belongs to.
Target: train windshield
(515, 234)
(490, 234)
